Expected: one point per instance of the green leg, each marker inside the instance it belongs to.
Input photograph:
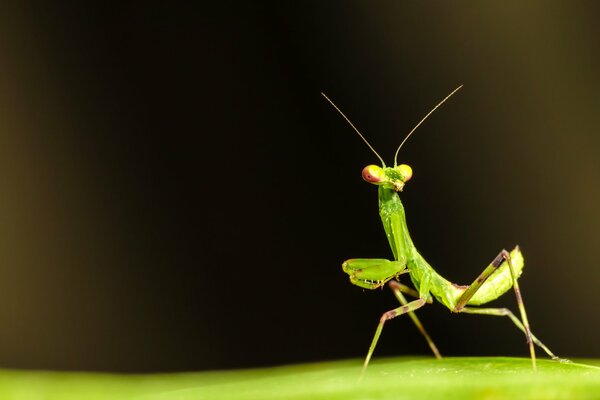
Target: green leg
(505, 312)
(412, 306)
(472, 289)
(407, 290)
(398, 289)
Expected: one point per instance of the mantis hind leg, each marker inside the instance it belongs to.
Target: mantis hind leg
(476, 285)
(505, 312)
(407, 308)
(398, 289)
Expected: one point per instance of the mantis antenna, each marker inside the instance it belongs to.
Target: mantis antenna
(420, 122)
(356, 130)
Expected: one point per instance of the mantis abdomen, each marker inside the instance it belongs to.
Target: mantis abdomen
(448, 293)
(500, 281)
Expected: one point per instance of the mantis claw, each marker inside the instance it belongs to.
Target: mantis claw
(372, 273)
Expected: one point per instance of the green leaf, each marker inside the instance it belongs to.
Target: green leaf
(399, 378)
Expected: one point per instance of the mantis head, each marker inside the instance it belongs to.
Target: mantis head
(392, 178)
(389, 177)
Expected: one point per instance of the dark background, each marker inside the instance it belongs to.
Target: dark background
(176, 195)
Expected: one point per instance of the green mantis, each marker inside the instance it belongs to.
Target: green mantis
(496, 279)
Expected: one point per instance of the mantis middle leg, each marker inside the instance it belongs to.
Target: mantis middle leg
(398, 289)
(407, 308)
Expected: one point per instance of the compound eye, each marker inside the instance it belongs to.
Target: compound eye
(372, 174)
(405, 171)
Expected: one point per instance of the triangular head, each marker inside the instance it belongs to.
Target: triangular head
(389, 177)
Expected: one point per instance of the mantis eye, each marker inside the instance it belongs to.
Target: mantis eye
(405, 171)
(373, 174)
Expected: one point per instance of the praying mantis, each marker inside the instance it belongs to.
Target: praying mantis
(371, 273)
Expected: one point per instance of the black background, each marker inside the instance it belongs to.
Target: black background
(176, 195)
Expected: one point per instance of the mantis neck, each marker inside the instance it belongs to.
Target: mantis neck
(392, 215)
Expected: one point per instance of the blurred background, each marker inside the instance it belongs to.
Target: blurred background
(175, 194)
